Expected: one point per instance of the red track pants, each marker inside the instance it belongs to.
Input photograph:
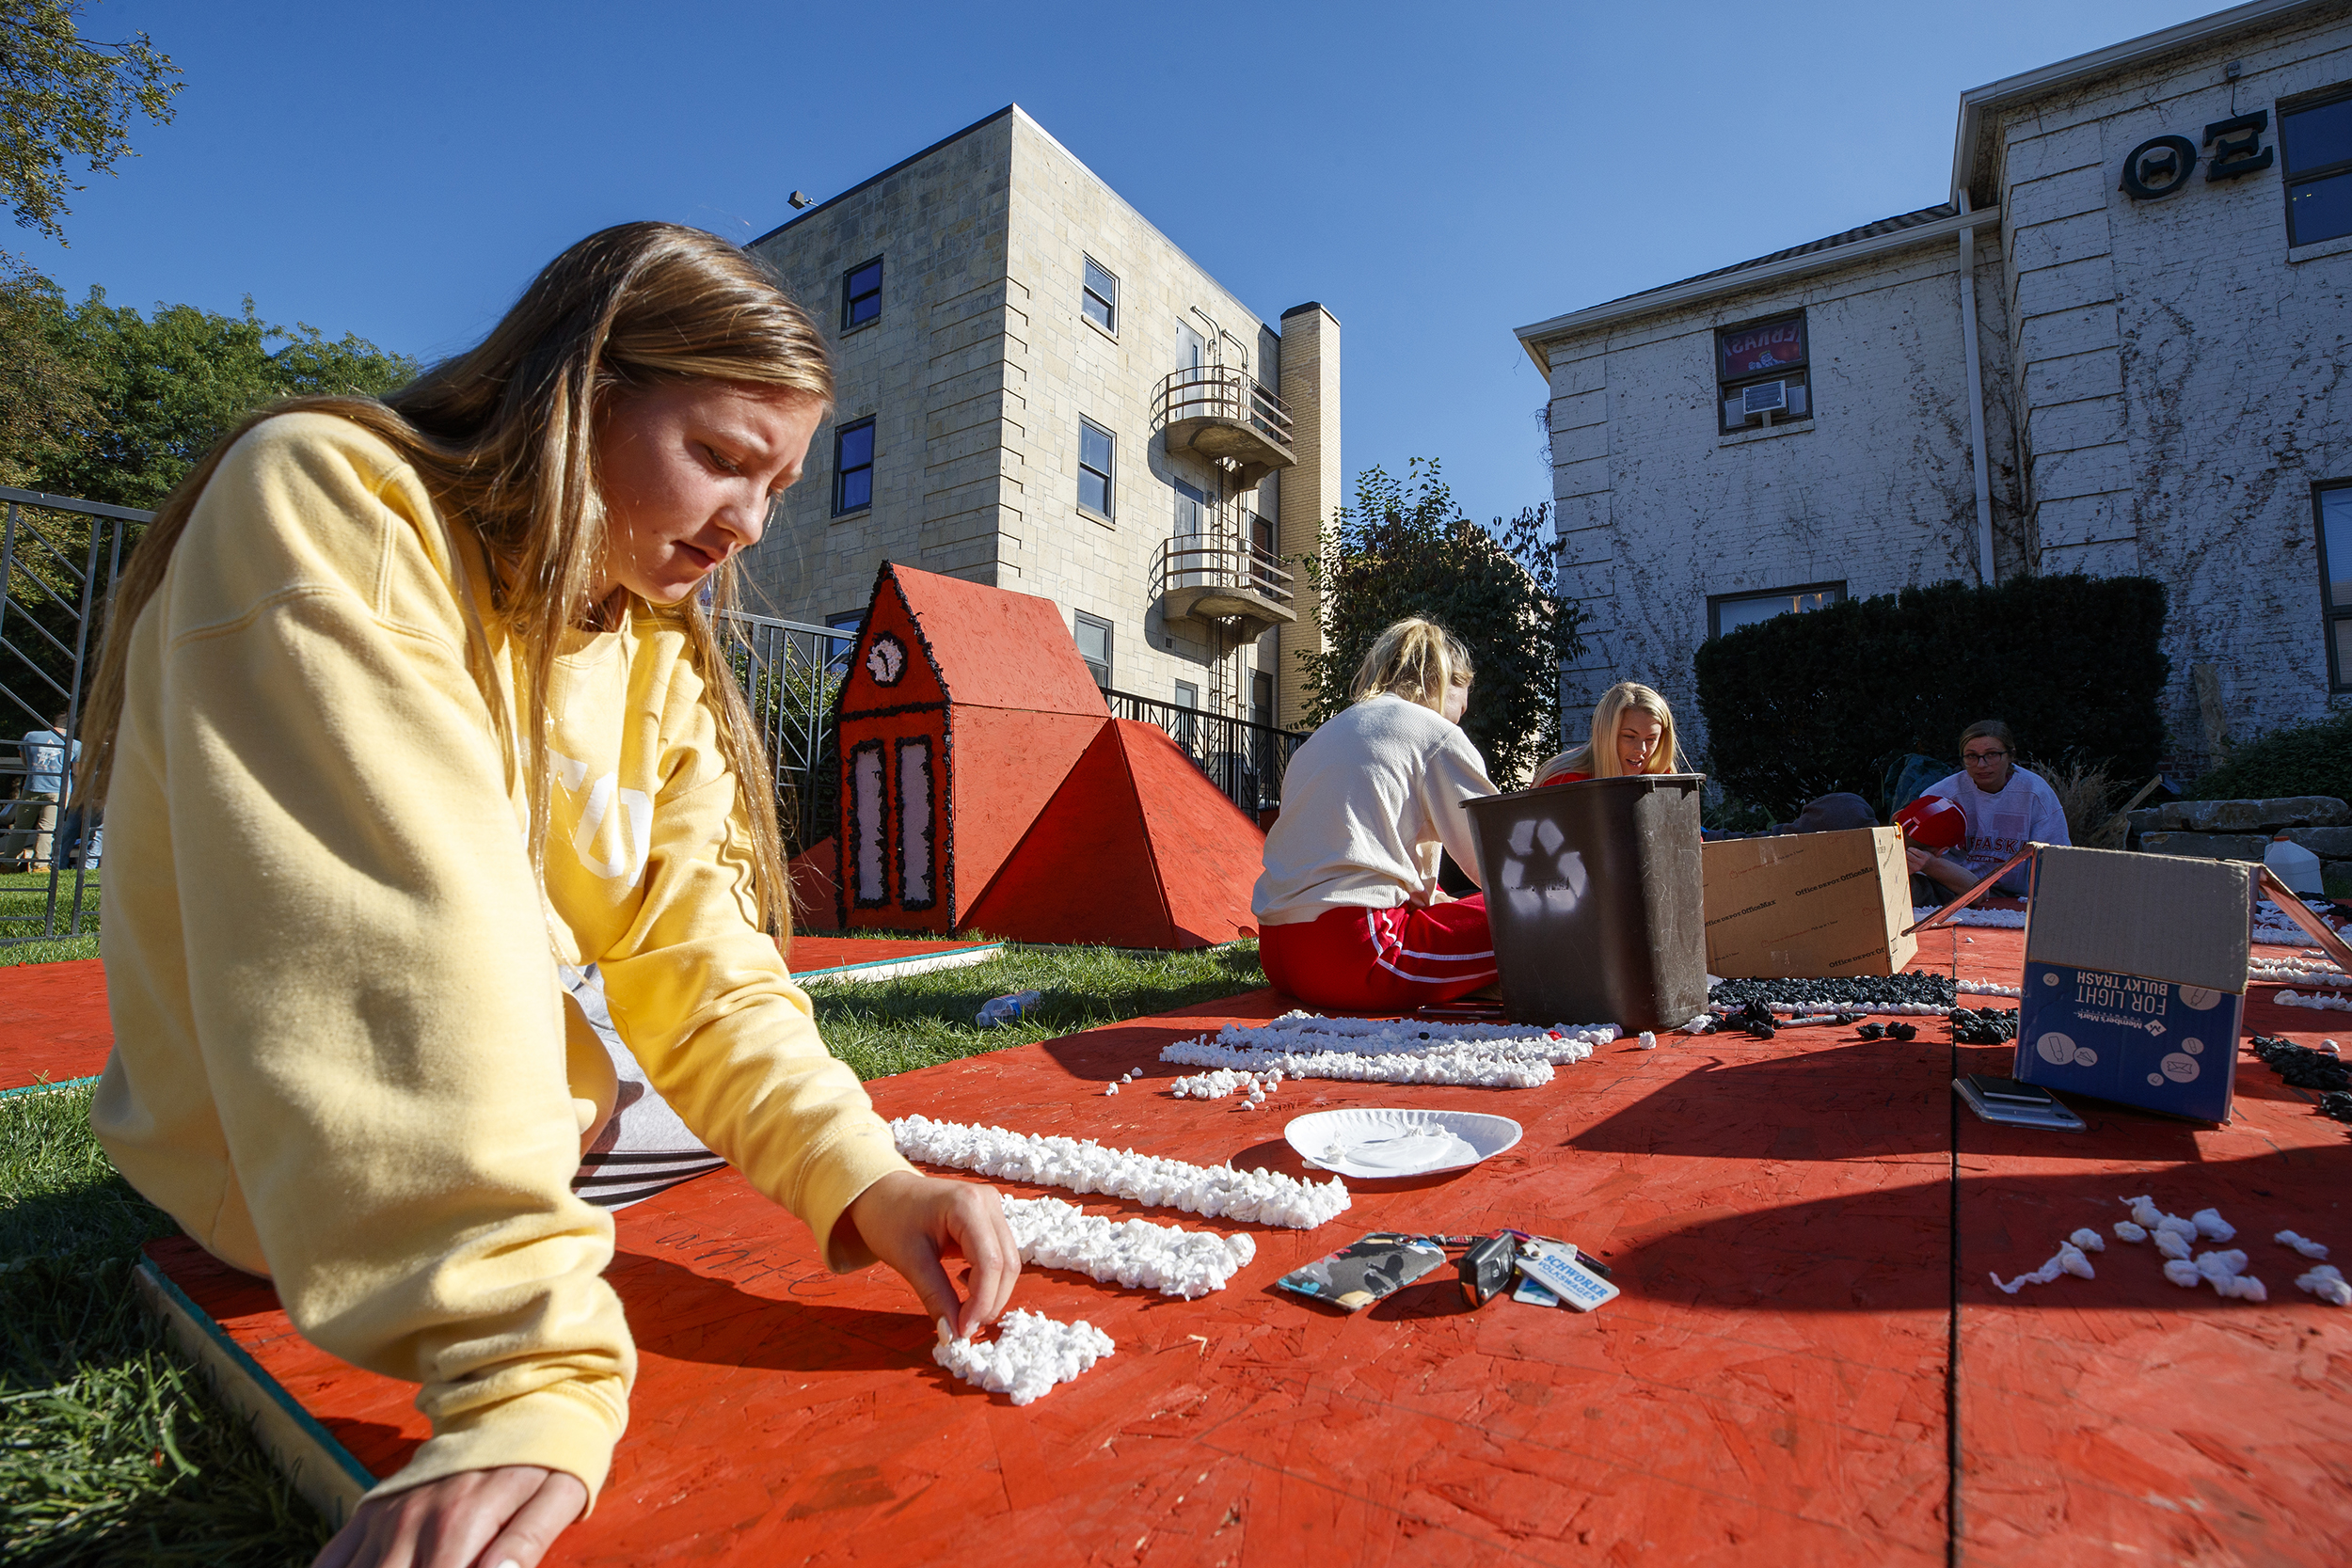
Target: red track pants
(1382, 961)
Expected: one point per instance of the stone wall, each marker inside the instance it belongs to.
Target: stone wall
(2182, 374)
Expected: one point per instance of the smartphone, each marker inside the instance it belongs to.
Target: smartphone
(2009, 1091)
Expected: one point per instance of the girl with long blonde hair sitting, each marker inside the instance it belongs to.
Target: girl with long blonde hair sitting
(1633, 731)
(404, 704)
(1350, 915)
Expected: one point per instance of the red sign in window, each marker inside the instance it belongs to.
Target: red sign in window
(1762, 350)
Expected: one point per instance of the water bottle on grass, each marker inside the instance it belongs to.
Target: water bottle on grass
(1005, 1010)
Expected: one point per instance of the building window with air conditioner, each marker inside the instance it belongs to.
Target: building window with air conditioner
(1761, 377)
(2315, 135)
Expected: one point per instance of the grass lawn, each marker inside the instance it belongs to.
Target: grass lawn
(22, 903)
(111, 1449)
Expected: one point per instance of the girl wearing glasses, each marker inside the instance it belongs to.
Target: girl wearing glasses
(2007, 807)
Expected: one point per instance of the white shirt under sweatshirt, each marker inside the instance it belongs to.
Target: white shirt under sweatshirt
(2024, 810)
(1367, 804)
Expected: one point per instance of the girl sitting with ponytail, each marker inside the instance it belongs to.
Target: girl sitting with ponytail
(1350, 915)
(404, 704)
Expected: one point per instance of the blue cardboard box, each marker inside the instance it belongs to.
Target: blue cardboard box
(2135, 984)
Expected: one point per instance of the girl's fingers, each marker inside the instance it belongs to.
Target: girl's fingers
(534, 1527)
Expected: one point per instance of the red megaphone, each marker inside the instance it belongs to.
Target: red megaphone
(1933, 823)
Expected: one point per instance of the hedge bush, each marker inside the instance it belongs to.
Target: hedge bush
(1800, 706)
(2314, 758)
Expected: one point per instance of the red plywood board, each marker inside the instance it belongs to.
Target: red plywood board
(996, 648)
(1084, 872)
(1137, 850)
(52, 1022)
(1208, 852)
(816, 874)
(1759, 1401)
(1005, 766)
(2124, 1417)
(920, 682)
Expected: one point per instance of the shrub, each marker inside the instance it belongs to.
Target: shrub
(2314, 758)
(1800, 706)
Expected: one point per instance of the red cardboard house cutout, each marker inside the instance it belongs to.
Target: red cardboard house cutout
(1137, 848)
(964, 713)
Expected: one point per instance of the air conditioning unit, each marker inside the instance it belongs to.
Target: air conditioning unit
(1770, 396)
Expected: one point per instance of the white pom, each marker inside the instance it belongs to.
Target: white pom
(2178, 1226)
(2127, 1230)
(2172, 1244)
(2303, 1245)
(1030, 1354)
(2181, 1272)
(1110, 1089)
(1089, 1167)
(2326, 1284)
(2071, 1259)
(1134, 1253)
(2211, 1226)
(2088, 1239)
(2243, 1286)
(1649, 1040)
(2222, 1265)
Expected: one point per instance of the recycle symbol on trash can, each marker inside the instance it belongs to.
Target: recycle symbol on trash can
(1538, 873)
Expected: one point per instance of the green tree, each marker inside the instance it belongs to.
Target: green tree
(45, 393)
(166, 387)
(63, 96)
(1405, 548)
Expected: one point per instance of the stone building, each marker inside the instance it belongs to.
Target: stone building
(2117, 346)
(1038, 390)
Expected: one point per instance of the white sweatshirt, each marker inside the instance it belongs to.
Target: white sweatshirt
(1367, 803)
(2024, 810)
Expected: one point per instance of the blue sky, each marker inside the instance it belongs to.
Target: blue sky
(1434, 175)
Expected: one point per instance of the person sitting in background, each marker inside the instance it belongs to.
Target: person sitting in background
(2007, 807)
(48, 756)
(1349, 911)
(1633, 731)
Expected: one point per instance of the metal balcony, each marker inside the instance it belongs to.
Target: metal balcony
(1212, 576)
(1216, 411)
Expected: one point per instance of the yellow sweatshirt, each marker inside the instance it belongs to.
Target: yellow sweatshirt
(340, 1048)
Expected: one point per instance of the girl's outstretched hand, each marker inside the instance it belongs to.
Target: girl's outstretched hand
(503, 1518)
(912, 1222)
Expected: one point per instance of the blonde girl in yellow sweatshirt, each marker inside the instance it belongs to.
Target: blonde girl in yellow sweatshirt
(402, 704)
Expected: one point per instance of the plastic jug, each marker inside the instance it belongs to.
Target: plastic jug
(2296, 867)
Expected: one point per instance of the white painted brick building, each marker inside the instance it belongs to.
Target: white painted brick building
(1007, 327)
(2160, 384)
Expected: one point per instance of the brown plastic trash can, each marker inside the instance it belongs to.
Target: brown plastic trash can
(1593, 895)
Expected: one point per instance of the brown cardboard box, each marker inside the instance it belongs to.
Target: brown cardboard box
(1809, 904)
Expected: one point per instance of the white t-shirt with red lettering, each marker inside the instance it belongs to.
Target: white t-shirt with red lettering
(2026, 811)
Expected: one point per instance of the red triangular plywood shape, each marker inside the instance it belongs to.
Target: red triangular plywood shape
(1136, 849)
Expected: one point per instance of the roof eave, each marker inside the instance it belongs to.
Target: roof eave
(1681, 295)
(1976, 102)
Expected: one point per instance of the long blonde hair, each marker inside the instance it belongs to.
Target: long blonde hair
(1597, 756)
(1417, 660)
(504, 436)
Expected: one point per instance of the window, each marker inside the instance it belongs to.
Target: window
(847, 623)
(861, 293)
(1730, 611)
(853, 468)
(1094, 467)
(1101, 300)
(1188, 694)
(2332, 508)
(1262, 699)
(1093, 635)
(1761, 375)
(2316, 141)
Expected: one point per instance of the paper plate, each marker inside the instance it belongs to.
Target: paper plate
(1383, 1141)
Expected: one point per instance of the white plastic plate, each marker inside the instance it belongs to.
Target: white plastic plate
(1384, 1141)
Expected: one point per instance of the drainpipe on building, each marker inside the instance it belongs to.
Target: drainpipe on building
(1975, 397)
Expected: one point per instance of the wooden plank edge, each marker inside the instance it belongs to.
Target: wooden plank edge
(886, 968)
(314, 1464)
(50, 1087)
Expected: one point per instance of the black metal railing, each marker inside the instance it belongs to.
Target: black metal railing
(1221, 392)
(789, 672)
(1245, 760)
(1216, 561)
(59, 558)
